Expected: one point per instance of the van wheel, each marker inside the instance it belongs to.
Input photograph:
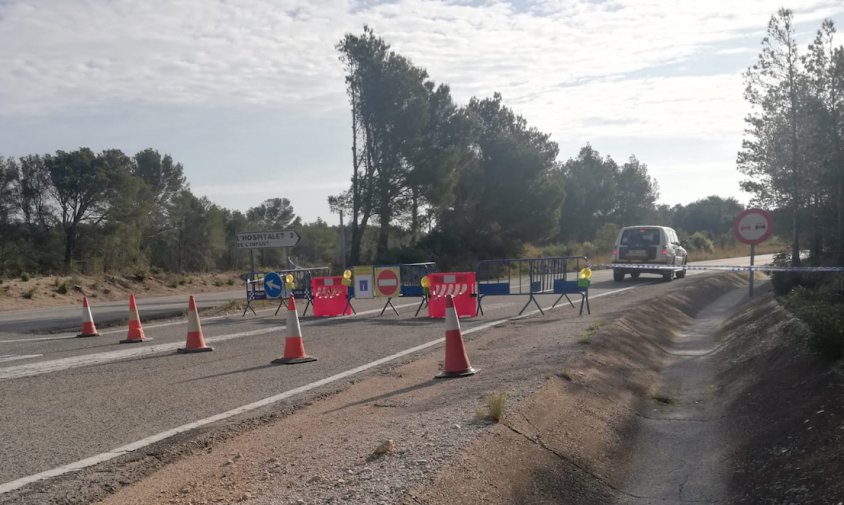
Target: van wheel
(668, 276)
(617, 275)
(634, 275)
(681, 273)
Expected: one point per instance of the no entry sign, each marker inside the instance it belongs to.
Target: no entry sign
(387, 282)
(753, 226)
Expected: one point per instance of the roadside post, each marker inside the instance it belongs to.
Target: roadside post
(753, 226)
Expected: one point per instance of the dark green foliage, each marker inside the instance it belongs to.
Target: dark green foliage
(823, 310)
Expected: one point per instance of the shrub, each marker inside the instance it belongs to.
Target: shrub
(25, 276)
(701, 241)
(63, 288)
(29, 294)
(825, 316)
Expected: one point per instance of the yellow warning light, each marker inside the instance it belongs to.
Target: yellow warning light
(347, 274)
(288, 278)
(425, 282)
(586, 273)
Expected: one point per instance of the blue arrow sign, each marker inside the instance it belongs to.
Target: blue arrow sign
(272, 284)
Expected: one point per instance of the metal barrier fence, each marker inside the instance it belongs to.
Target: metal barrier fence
(255, 289)
(531, 276)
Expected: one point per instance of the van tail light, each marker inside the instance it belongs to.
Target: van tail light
(665, 251)
(615, 252)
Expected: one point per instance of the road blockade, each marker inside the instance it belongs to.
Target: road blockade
(294, 345)
(456, 363)
(195, 341)
(461, 286)
(88, 327)
(330, 296)
(528, 276)
(136, 331)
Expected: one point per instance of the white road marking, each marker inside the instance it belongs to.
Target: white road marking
(122, 329)
(42, 367)
(125, 449)
(12, 357)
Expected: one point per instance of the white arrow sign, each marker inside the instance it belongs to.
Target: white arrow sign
(266, 239)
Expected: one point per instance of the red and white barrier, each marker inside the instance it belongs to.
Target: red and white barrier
(330, 296)
(461, 286)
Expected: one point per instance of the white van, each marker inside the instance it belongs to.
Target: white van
(648, 245)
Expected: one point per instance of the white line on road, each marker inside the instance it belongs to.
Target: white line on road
(123, 329)
(12, 357)
(42, 367)
(105, 456)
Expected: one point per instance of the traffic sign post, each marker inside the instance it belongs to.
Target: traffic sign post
(387, 284)
(753, 226)
(272, 285)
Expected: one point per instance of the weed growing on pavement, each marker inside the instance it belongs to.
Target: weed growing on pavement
(496, 403)
(665, 400)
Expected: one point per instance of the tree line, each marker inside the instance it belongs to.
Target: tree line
(792, 151)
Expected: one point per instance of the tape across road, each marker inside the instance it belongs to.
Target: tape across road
(746, 268)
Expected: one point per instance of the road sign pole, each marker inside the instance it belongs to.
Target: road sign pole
(252, 263)
(752, 254)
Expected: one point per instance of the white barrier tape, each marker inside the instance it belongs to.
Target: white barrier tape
(747, 268)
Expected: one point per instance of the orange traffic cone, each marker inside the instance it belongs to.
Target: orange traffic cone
(136, 331)
(195, 341)
(88, 328)
(456, 362)
(294, 347)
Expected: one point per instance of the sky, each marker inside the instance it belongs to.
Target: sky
(249, 94)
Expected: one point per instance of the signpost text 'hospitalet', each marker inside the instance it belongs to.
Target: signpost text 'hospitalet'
(265, 239)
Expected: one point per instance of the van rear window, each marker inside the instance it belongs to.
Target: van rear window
(640, 237)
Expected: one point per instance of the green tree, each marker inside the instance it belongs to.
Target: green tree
(712, 214)
(389, 97)
(636, 194)
(80, 186)
(771, 151)
(824, 121)
(511, 192)
(9, 188)
(591, 187)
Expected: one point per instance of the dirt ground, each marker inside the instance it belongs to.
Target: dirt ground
(576, 389)
(37, 292)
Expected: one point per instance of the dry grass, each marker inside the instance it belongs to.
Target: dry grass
(52, 291)
(496, 404)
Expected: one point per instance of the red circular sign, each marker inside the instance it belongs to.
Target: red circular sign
(753, 226)
(387, 282)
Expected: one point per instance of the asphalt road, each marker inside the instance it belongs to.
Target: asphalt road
(66, 399)
(69, 318)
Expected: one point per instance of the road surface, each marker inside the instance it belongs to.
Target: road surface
(66, 399)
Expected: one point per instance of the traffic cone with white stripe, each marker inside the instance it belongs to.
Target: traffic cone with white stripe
(88, 327)
(136, 331)
(195, 341)
(294, 346)
(456, 363)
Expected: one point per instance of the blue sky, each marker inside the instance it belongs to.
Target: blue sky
(248, 94)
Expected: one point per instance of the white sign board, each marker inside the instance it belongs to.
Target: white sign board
(266, 239)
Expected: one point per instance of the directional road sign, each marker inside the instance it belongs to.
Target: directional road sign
(267, 239)
(753, 226)
(272, 285)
